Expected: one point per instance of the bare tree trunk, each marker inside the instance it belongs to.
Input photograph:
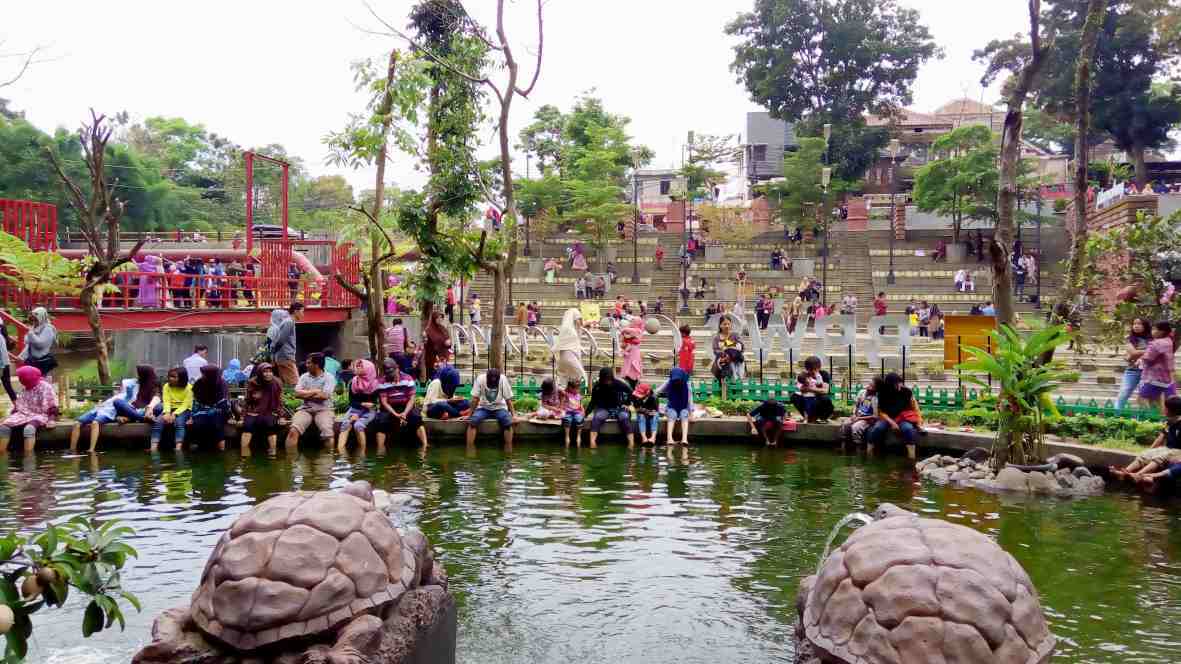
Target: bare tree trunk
(1137, 153)
(376, 289)
(102, 354)
(1002, 240)
(1082, 96)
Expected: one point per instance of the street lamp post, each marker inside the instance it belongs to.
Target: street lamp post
(688, 209)
(528, 249)
(825, 177)
(895, 146)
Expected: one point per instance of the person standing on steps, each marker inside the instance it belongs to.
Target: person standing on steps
(281, 334)
(1136, 342)
(569, 348)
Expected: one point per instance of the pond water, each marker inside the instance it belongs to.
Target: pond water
(612, 555)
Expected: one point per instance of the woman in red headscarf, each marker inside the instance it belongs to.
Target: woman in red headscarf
(35, 408)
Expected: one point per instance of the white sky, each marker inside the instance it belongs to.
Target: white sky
(266, 71)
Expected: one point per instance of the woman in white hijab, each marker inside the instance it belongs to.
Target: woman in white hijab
(569, 347)
(39, 342)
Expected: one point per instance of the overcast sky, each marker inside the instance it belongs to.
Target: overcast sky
(265, 71)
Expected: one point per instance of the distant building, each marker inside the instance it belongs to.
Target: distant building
(767, 140)
(656, 189)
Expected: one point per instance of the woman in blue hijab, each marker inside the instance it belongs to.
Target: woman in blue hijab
(680, 402)
(233, 374)
(441, 401)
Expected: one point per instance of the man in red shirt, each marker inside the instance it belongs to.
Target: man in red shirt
(879, 308)
(450, 308)
(659, 257)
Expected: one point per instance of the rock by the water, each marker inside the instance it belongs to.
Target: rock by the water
(909, 590)
(1082, 471)
(977, 454)
(1042, 483)
(1011, 479)
(1068, 461)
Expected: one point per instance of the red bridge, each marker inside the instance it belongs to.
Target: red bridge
(169, 300)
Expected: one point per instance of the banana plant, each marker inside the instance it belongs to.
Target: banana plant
(1026, 385)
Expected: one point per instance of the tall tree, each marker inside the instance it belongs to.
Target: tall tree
(498, 264)
(1002, 238)
(818, 61)
(543, 139)
(1082, 119)
(824, 60)
(100, 212)
(962, 182)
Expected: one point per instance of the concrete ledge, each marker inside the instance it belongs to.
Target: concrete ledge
(712, 431)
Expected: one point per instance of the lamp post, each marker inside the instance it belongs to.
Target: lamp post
(1038, 266)
(636, 217)
(825, 178)
(895, 146)
(688, 208)
(528, 249)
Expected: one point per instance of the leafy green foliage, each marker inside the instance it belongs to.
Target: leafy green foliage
(1133, 52)
(830, 60)
(1141, 253)
(39, 272)
(1025, 383)
(39, 570)
(963, 183)
(800, 195)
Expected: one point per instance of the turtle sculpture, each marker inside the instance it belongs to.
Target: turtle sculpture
(302, 565)
(907, 590)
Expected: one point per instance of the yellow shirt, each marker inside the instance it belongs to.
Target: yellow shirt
(177, 399)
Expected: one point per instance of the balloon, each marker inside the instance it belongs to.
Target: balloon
(652, 326)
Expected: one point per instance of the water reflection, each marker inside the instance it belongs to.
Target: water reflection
(615, 555)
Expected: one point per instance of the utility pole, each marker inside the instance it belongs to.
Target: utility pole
(636, 217)
(825, 178)
(895, 146)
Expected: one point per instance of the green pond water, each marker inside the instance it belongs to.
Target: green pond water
(613, 555)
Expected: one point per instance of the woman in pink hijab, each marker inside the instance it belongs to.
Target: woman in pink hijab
(633, 361)
(363, 399)
(35, 408)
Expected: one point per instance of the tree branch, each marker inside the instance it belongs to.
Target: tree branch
(389, 240)
(540, 46)
(23, 68)
(434, 58)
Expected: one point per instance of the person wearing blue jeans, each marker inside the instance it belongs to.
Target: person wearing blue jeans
(647, 413)
(492, 396)
(897, 411)
(1139, 334)
(133, 401)
(174, 411)
(610, 398)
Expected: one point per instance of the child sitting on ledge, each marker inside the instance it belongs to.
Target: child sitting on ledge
(1165, 450)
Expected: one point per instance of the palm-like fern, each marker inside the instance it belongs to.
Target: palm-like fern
(1025, 388)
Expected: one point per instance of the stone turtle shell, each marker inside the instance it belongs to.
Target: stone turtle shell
(301, 564)
(906, 589)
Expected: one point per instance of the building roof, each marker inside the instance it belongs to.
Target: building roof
(906, 116)
(965, 106)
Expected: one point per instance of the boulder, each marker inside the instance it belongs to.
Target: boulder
(1011, 479)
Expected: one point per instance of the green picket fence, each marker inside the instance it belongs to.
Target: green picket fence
(753, 390)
